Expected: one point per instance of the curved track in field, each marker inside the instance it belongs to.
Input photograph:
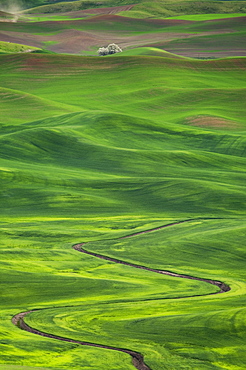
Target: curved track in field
(137, 358)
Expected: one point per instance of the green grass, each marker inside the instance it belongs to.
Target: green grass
(168, 8)
(148, 51)
(10, 97)
(179, 246)
(198, 87)
(93, 149)
(68, 6)
(206, 17)
(9, 47)
(54, 18)
(145, 9)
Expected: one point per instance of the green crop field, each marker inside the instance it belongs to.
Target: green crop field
(140, 156)
(9, 48)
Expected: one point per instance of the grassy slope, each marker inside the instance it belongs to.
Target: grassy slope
(115, 157)
(66, 6)
(151, 323)
(164, 8)
(144, 9)
(8, 48)
(205, 17)
(149, 51)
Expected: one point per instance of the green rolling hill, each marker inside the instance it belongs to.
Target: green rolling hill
(100, 150)
(117, 145)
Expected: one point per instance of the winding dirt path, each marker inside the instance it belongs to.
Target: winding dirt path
(137, 358)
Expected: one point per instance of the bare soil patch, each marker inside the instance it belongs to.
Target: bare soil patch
(74, 41)
(89, 12)
(109, 10)
(128, 20)
(213, 122)
(21, 38)
(4, 15)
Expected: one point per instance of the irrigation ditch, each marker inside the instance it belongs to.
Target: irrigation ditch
(137, 358)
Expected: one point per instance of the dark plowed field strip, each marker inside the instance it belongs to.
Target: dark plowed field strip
(137, 358)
